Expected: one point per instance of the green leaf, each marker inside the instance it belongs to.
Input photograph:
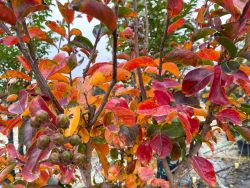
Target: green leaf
(245, 108)
(174, 130)
(99, 140)
(230, 66)
(125, 12)
(82, 42)
(243, 131)
(202, 33)
(114, 153)
(228, 44)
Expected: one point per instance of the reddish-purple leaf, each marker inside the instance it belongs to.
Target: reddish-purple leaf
(186, 126)
(166, 83)
(182, 56)
(12, 152)
(19, 106)
(156, 111)
(204, 169)
(163, 97)
(7, 15)
(229, 115)
(241, 79)
(97, 10)
(196, 80)
(195, 125)
(144, 152)
(217, 93)
(67, 173)
(161, 145)
(174, 7)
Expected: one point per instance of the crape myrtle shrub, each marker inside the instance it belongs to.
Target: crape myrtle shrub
(156, 100)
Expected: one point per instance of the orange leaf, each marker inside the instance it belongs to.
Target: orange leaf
(139, 62)
(84, 135)
(176, 25)
(209, 54)
(23, 7)
(15, 74)
(12, 98)
(56, 28)
(7, 15)
(68, 14)
(245, 69)
(97, 10)
(24, 63)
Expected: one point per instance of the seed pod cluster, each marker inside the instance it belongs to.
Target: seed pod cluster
(40, 118)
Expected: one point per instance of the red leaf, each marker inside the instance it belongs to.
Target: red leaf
(96, 66)
(241, 79)
(120, 109)
(204, 169)
(209, 54)
(144, 152)
(7, 15)
(161, 145)
(36, 32)
(157, 111)
(229, 115)
(139, 62)
(174, 7)
(195, 125)
(67, 173)
(166, 83)
(19, 106)
(97, 10)
(163, 97)
(176, 25)
(186, 126)
(24, 63)
(196, 80)
(145, 173)
(68, 14)
(56, 28)
(157, 182)
(12, 152)
(9, 40)
(182, 56)
(23, 7)
(217, 93)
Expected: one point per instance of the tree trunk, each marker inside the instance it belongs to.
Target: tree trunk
(86, 168)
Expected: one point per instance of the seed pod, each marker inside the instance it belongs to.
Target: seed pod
(54, 157)
(58, 139)
(75, 140)
(78, 158)
(42, 116)
(34, 123)
(63, 121)
(66, 156)
(43, 142)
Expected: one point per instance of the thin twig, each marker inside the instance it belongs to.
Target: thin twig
(33, 63)
(139, 73)
(114, 75)
(93, 52)
(146, 44)
(242, 17)
(164, 38)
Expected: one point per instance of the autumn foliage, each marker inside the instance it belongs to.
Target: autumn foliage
(132, 111)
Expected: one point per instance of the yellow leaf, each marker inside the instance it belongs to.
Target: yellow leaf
(74, 121)
(97, 78)
(26, 112)
(85, 135)
(102, 151)
(172, 68)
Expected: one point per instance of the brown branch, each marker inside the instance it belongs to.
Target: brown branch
(93, 52)
(146, 44)
(114, 75)
(168, 172)
(164, 38)
(40, 79)
(139, 73)
(242, 17)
